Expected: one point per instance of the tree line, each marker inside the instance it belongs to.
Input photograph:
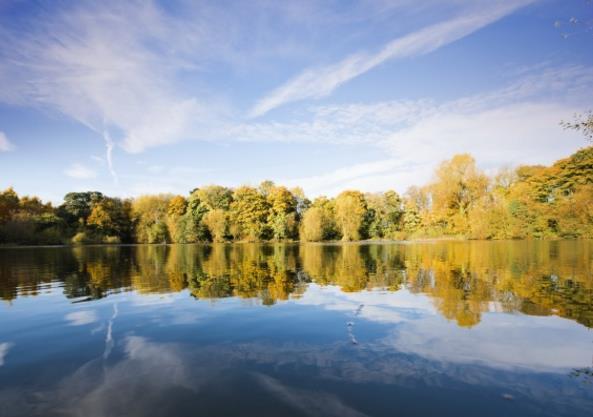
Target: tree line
(530, 201)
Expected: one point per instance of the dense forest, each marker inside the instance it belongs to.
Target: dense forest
(461, 201)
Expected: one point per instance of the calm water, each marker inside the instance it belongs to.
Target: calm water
(435, 329)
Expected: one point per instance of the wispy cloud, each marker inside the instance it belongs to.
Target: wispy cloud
(135, 72)
(372, 176)
(142, 75)
(93, 63)
(376, 123)
(514, 124)
(5, 144)
(320, 82)
(80, 172)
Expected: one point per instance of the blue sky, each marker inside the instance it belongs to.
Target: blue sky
(146, 96)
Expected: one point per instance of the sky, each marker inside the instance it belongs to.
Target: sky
(138, 97)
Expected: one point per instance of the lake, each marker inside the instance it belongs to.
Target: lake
(419, 329)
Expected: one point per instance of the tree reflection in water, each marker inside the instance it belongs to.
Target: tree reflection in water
(463, 279)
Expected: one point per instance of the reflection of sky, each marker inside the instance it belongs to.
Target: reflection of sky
(499, 340)
(379, 306)
(4, 347)
(170, 354)
(550, 344)
(80, 318)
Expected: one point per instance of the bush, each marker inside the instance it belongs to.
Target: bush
(111, 240)
(81, 238)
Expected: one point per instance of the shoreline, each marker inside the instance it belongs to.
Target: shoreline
(293, 242)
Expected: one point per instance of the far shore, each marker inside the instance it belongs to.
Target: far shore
(292, 242)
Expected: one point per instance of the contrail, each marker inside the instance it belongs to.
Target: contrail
(109, 155)
(109, 336)
(350, 325)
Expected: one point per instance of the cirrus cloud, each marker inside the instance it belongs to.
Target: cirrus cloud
(320, 82)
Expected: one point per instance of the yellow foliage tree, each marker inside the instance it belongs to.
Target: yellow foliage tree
(216, 221)
(350, 211)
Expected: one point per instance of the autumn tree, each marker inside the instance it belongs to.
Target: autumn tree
(215, 197)
(249, 213)
(302, 202)
(282, 219)
(179, 223)
(217, 222)
(111, 218)
(9, 203)
(150, 215)
(457, 187)
(416, 206)
(530, 201)
(313, 225)
(350, 211)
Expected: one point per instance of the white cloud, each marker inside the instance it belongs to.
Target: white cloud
(374, 123)
(107, 66)
(147, 299)
(504, 134)
(320, 82)
(135, 72)
(531, 342)
(339, 124)
(371, 176)
(81, 318)
(377, 305)
(138, 75)
(536, 343)
(517, 124)
(80, 172)
(4, 348)
(5, 144)
(524, 133)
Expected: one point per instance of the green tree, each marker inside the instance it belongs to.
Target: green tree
(179, 225)
(196, 209)
(111, 217)
(416, 211)
(215, 197)
(384, 214)
(77, 207)
(282, 218)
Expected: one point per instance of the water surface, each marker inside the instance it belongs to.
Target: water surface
(447, 329)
